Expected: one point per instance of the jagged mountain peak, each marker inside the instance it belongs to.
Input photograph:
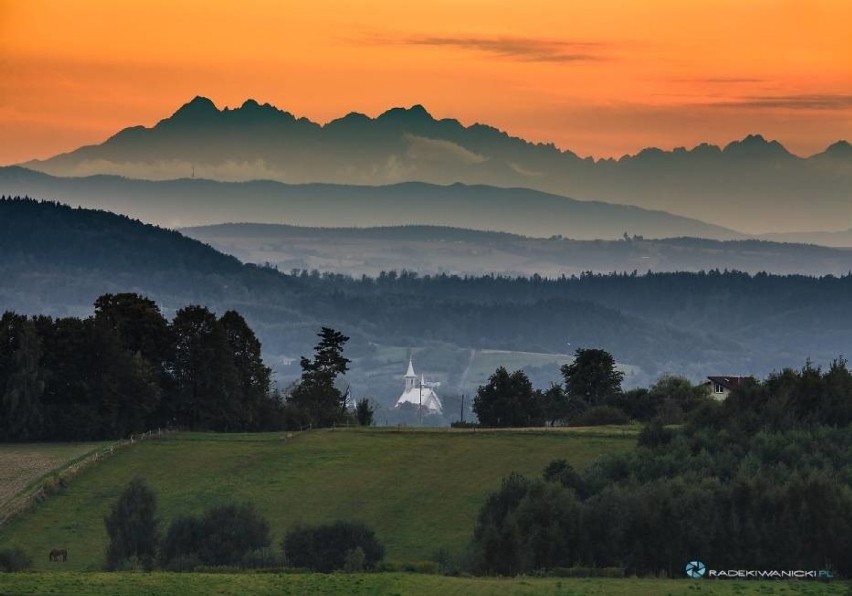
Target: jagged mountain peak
(198, 106)
(755, 145)
(840, 148)
(416, 113)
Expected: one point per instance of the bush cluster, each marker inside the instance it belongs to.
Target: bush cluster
(350, 546)
(229, 536)
(224, 535)
(13, 559)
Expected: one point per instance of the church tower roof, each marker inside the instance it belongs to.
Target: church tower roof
(410, 373)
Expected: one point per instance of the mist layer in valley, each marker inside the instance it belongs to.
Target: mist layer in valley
(436, 250)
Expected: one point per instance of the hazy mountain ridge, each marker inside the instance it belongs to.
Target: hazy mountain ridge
(841, 238)
(187, 202)
(752, 184)
(431, 250)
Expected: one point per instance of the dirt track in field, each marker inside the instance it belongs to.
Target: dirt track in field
(21, 464)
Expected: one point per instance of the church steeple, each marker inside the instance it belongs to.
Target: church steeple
(410, 377)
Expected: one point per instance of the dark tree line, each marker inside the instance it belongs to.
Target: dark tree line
(760, 481)
(126, 369)
(591, 394)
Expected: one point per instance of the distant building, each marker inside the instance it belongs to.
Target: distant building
(419, 392)
(721, 387)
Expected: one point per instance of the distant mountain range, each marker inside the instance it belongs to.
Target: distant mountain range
(434, 250)
(189, 202)
(753, 185)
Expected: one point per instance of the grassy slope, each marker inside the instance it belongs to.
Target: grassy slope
(420, 490)
(166, 584)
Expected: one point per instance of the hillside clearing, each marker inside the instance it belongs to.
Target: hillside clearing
(419, 489)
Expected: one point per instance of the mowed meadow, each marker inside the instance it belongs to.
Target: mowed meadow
(262, 584)
(419, 489)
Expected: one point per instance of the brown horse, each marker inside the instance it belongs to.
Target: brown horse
(59, 554)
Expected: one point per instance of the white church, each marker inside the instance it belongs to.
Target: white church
(419, 392)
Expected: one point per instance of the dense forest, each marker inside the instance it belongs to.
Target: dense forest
(760, 481)
(58, 260)
(127, 370)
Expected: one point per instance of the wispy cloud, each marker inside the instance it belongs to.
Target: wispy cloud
(720, 80)
(525, 49)
(789, 102)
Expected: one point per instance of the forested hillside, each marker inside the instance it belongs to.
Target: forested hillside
(58, 260)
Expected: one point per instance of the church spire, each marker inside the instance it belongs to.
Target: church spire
(410, 377)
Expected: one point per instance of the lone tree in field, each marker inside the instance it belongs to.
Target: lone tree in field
(364, 412)
(592, 378)
(132, 528)
(322, 402)
(507, 400)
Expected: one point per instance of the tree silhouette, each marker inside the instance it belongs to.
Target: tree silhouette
(322, 402)
(592, 377)
(132, 527)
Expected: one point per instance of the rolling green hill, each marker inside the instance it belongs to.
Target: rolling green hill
(419, 489)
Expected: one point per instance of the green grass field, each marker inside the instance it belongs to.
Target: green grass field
(169, 584)
(419, 489)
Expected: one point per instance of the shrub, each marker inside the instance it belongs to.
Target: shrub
(223, 535)
(655, 435)
(601, 415)
(178, 551)
(364, 412)
(353, 561)
(446, 562)
(230, 532)
(324, 548)
(424, 567)
(263, 558)
(13, 558)
(183, 563)
(561, 471)
(132, 528)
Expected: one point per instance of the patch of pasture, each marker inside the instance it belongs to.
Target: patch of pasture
(419, 489)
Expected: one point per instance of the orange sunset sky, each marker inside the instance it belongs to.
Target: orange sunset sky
(599, 77)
